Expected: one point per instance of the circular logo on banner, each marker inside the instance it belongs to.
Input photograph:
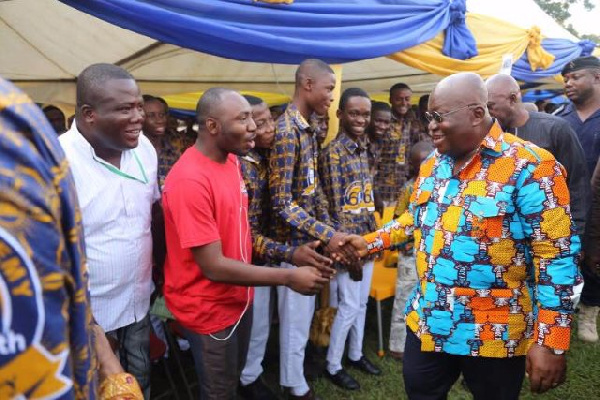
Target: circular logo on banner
(26, 368)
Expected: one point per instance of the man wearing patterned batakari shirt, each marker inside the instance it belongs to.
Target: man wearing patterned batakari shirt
(496, 255)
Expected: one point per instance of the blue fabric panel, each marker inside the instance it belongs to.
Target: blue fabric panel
(563, 50)
(335, 31)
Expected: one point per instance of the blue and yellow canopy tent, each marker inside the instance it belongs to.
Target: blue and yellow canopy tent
(187, 46)
(436, 36)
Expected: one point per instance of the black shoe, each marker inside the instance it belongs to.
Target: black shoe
(257, 390)
(343, 380)
(365, 365)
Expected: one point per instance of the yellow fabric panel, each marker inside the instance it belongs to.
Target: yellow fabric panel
(537, 56)
(383, 282)
(334, 123)
(492, 46)
(188, 101)
(384, 97)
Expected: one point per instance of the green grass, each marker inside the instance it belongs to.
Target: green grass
(583, 376)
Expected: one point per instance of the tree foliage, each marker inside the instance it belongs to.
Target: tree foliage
(560, 9)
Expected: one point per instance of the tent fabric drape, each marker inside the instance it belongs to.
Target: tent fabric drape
(563, 51)
(335, 31)
(459, 42)
(494, 38)
(534, 57)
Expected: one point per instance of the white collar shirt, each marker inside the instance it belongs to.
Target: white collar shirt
(116, 214)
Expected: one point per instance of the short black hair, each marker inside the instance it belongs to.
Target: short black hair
(311, 66)
(399, 86)
(51, 107)
(94, 77)
(380, 106)
(253, 100)
(149, 98)
(208, 102)
(164, 103)
(349, 93)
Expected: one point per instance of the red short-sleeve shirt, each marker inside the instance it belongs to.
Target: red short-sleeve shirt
(204, 201)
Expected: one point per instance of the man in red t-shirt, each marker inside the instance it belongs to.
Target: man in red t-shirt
(207, 271)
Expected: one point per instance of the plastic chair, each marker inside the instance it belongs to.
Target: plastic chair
(383, 286)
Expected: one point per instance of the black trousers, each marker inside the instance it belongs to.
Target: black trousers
(429, 375)
(590, 296)
(219, 363)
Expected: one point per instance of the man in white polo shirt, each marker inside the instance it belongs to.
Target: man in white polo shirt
(114, 166)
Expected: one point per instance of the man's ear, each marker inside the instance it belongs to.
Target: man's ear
(212, 125)
(308, 83)
(596, 74)
(88, 113)
(478, 115)
(338, 113)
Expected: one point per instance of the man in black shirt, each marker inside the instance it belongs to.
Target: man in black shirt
(546, 131)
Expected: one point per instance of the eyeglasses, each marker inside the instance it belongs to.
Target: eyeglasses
(430, 116)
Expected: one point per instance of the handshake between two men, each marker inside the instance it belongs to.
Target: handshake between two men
(346, 249)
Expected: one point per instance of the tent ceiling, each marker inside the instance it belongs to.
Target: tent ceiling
(46, 44)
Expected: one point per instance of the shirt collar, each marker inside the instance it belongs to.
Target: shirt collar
(570, 108)
(296, 117)
(350, 144)
(253, 156)
(410, 115)
(494, 139)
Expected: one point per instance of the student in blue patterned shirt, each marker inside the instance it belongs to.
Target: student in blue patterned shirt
(300, 209)
(347, 183)
(266, 251)
(381, 118)
(155, 128)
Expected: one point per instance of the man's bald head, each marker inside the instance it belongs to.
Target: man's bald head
(504, 100)
(211, 102)
(502, 84)
(225, 123)
(311, 68)
(463, 88)
(459, 117)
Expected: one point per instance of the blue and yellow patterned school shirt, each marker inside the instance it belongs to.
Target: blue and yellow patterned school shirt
(299, 205)
(255, 170)
(348, 185)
